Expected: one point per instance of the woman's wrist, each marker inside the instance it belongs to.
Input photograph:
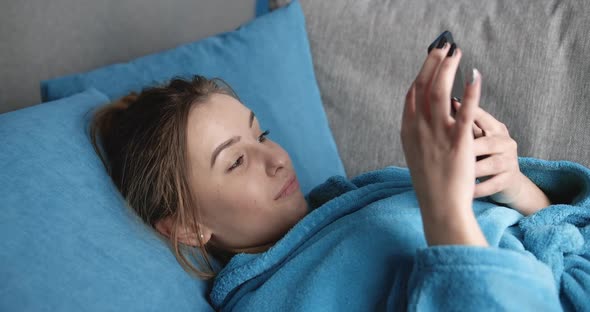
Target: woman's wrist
(530, 199)
(459, 229)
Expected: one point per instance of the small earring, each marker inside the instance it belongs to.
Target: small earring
(202, 236)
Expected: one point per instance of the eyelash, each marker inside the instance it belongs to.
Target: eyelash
(239, 161)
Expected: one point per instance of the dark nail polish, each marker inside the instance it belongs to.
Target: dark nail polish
(452, 50)
(478, 158)
(441, 43)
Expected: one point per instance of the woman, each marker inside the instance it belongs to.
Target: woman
(194, 164)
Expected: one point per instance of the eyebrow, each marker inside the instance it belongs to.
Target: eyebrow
(229, 142)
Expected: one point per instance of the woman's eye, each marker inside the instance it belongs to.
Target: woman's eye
(262, 137)
(237, 163)
(240, 159)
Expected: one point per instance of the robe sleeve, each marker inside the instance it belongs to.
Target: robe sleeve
(559, 235)
(473, 278)
(551, 274)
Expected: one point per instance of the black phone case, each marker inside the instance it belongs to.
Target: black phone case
(445, 34)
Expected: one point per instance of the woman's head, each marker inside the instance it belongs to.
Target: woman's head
(193, 163)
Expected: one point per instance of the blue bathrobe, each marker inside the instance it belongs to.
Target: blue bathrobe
(362, 248)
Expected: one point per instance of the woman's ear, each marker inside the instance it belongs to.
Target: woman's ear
(185, 236)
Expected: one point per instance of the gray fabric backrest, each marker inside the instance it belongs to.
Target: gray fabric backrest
(533, 56)
(45, 39)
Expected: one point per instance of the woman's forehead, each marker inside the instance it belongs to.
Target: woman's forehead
(219, 111)
(215, 121)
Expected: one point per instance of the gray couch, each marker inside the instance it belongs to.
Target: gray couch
(533, 56)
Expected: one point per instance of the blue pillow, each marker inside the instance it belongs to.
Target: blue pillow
(267, 62)
(67, 240)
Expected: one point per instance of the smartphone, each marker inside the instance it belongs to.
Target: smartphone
(458, 84)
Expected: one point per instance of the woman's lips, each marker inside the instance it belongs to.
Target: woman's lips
(289, 188)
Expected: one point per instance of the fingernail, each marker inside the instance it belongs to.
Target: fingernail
(452, 50)
(478, 158)
(473, 76)
(441, 43)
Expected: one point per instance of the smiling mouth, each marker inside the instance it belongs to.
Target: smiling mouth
(289, 188)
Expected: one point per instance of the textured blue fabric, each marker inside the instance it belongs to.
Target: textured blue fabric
(261, 7)
(67, 240)
(267, 62)
(362, 248)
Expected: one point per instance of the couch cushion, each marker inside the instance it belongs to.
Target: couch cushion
(533, 58)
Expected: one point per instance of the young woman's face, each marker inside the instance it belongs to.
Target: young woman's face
(239, 177)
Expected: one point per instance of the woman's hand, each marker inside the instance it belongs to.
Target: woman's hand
(499, 173)
(439, 150)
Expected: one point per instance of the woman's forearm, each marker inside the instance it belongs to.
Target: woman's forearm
(462, 229)
(458, 229)
(530, 199)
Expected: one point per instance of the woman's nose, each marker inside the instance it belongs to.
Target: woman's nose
(276, 159)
